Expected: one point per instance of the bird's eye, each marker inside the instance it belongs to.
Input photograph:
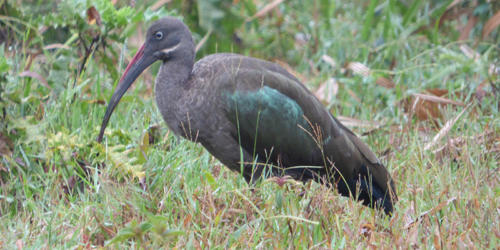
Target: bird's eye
(159, 35)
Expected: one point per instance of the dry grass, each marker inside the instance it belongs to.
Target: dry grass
(424, 101)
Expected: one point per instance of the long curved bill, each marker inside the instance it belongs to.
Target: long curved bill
(138, 64)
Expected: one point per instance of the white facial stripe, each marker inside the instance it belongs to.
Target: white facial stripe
(168, 50)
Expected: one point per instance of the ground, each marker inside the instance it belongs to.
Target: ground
(418, 82)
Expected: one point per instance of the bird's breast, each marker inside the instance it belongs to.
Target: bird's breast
(187, 109)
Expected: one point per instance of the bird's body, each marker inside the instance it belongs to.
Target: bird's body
(255, 117)
(225, 92)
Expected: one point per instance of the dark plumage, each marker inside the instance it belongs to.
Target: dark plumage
(254, 116)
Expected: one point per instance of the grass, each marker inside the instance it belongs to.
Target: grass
(145, 188)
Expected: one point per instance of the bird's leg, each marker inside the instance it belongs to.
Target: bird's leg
(230, 153)
(254, 171)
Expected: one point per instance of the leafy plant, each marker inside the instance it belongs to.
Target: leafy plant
(418, 80)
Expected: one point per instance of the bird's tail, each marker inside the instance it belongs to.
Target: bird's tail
(367, 190)
(370, 179)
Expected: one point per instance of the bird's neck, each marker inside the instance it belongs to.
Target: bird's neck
(172, 83)
(176, 71)
(174, 74)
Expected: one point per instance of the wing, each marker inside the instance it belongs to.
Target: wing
(273, 125)
(273, 111)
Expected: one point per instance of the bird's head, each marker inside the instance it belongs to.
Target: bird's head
(166, 39)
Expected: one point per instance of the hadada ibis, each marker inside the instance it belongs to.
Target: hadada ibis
(254, 116)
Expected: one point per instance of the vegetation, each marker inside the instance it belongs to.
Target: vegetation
(419, 80)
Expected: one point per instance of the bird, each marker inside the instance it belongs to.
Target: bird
(254, 117)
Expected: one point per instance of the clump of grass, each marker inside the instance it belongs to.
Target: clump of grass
(398, 74)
